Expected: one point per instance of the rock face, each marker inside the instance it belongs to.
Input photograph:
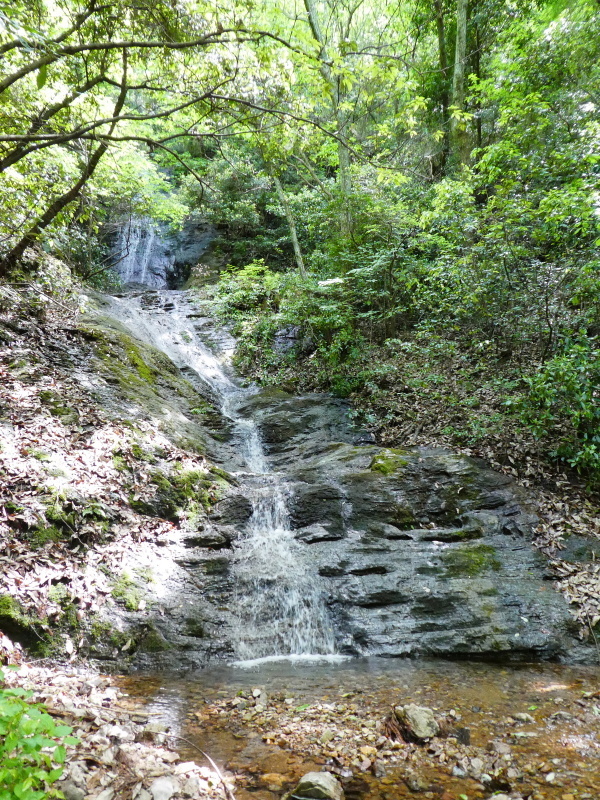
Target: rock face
(421, 551)
(417, 551)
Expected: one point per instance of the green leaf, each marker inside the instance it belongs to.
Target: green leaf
(42, 76)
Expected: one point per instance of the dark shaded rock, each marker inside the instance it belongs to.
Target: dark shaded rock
(233, 510)
(318, 533)
(317, 505)
(215, 538)
(579, 549)
(432, 559)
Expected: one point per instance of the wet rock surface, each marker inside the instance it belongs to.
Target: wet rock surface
(417, 551)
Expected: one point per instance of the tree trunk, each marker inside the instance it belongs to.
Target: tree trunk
(290, 221)
(458, 134)
(445, 93)
(344, 178)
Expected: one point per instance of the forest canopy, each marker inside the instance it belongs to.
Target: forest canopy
(414, 186)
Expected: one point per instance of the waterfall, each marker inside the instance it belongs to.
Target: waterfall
(279, 607)
(141, 255)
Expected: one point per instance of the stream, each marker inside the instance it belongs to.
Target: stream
(324, 716)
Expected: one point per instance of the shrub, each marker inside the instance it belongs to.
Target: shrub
(32, 747)
(563, 401)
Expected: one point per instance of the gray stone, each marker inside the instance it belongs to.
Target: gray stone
(419, 721)
(319, 785)
(70, 790)
(163, 788)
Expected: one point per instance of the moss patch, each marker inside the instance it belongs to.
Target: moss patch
(389, 461)
(57, 407)
(467, 562)
(403, 518)
(180, 491)
(154, 642)
(126, 592)
(17, 624)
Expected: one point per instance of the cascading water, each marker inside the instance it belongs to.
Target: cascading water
(140, 254)
(279, 608)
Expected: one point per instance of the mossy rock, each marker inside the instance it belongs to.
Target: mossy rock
(389, 461)
(57, 407)
(468, 562)
(42, 535)
(194, 627)
(18, 625)
(403, 518)
(153, 642)
(126, 592)
(178, 491)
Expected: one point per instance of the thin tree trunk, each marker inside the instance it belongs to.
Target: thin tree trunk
(290, 221)
(445, 94)
(459, 135)
(477, 70)
(344, 177)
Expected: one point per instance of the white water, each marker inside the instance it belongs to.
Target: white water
(140, 254)
(278, 605)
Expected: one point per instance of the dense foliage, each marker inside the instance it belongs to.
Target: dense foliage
(409, 195)
(32, 747)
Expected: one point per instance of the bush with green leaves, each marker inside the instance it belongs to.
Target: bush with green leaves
(32, 747)
(564, 401)
(248, 289)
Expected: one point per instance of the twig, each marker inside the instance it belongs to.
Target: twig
(591, 627)
(228, 793)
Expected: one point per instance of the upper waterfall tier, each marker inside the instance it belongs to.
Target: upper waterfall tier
(146, 253)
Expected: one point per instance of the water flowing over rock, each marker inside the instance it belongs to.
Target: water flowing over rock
(277, 606)
(145, 253)
(325, 543)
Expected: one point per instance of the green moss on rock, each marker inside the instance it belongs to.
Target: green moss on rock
(17, 624)
(177, 492)
(467, 562)
(126, 592)
(153, 642)
(389, 461)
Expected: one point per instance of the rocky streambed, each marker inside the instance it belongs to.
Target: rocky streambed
(507, 732)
